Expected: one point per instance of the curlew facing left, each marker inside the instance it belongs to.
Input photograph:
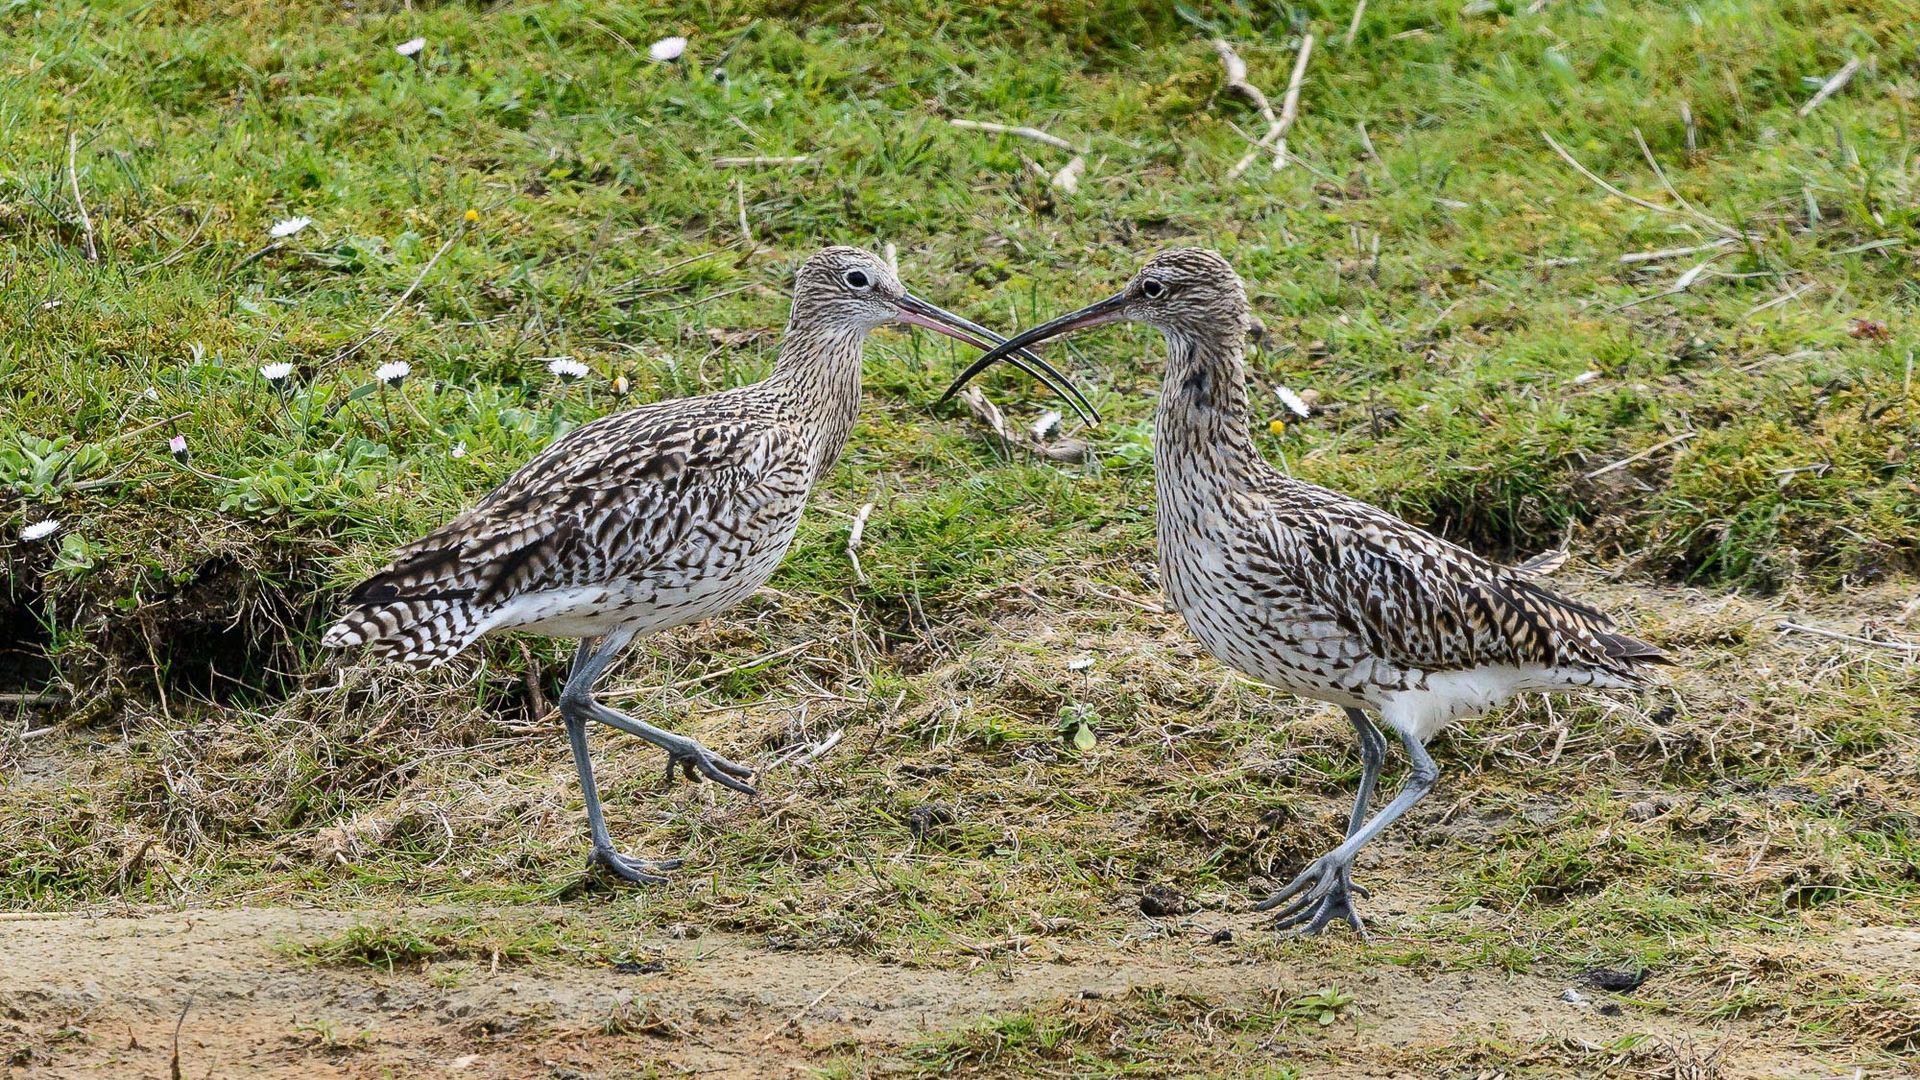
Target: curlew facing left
(653, 518)
(1320, 594)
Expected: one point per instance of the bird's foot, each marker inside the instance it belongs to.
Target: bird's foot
(635, 871)
(1311, 915)
(697, 761)
(1323, 892)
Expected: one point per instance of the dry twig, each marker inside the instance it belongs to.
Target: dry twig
(1685, 210)
(73, 177)
(854, 536)
(1277, 126)
(1649, 451)
(350, 350)
(1897, 646)
(1067, 179)
(808, 1007)
(1353, 26)
(1024, 132)
(1831, 87)
(1674, 253)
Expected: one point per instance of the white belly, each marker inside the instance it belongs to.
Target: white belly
(648, 604)
(1445, 696)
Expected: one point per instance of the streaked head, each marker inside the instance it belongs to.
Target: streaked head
(856, 290)
(1185, 293)
(848, 286)
(1183, 288)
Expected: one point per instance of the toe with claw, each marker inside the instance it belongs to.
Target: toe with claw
(697, 761)
(636, 871)
(1321, 894)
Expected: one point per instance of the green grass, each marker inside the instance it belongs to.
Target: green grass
(531, 186)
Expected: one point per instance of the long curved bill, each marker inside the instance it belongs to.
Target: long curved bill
(1112, 309)
(918, 312)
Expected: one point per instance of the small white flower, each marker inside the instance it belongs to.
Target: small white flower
(276, 373)
(393, 372)
(40, 530)
(620, 384)
(283, 229)
(177, 446)
(1292, 401)
(566, 367)
(1585, 377)
(1047, 426)
(457, 451)
(1080, 663)
(667, 49)
(411, 47)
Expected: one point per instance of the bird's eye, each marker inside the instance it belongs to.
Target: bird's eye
(856, 279)
(1153, 289)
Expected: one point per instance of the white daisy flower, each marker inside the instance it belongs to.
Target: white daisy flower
(620, 384)
(411, 47)
(177, 446)
(566, 367)
(667, 49)
(276, 373)
(393, 372)
(1047, 426)
(283, 229)
(40, 530)
(1293, 403)
(457, 450)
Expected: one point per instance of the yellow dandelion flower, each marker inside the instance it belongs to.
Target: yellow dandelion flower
(472, 214)
(1277, 427)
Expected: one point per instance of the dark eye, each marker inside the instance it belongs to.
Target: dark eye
(856, 279)
(1153, 289)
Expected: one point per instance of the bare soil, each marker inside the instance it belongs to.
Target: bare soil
(100, 997)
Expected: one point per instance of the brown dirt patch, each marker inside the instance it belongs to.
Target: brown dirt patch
(99, 997)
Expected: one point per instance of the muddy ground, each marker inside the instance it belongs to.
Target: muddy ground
(102, 996)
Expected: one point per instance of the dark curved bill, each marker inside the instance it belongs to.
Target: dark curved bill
(1112, 309)
(918, 312)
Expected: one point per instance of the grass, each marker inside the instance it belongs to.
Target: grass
(531, 186)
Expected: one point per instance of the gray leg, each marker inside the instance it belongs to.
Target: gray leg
(1373, 755)
(687, 753)
(577, 706)
(589, 663)
(638, 871)
(1321, 887)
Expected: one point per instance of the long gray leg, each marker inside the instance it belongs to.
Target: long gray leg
(1321, 887)
(577, 706)
(1373, 756)
(589, 663)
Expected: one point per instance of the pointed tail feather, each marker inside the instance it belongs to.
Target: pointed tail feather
(1633, 650)
(419, 633)
(1543, 564)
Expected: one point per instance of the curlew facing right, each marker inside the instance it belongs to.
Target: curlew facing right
(653, 518)
(1320, 594)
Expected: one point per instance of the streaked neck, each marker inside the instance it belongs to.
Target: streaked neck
(818, 373)
(1200, 428)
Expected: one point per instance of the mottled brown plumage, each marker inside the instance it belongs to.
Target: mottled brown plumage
(652, 518)
(1321, 594)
